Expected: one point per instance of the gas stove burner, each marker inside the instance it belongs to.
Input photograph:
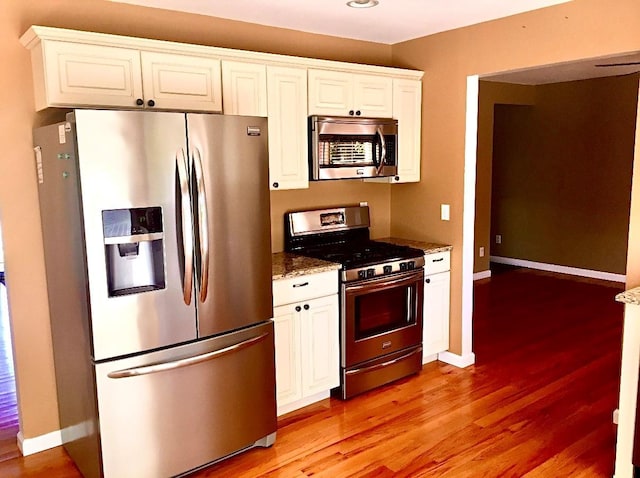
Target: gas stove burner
(347, 242)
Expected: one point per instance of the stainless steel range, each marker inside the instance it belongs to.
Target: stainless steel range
(381, 294)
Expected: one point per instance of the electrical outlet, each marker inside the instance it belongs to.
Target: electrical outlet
(498, 238)
(445, 212)
(481, 252)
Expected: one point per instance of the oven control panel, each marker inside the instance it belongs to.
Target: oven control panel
(386, 268)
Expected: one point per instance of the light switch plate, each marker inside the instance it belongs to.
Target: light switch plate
(444, 212)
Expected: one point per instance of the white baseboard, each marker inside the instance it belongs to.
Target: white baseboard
(289, 407)
(574, 271)
(429, 358)
(460, 361)
(481, 275)
(29, 446)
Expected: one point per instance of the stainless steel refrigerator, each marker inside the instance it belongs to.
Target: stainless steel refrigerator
(156, 231)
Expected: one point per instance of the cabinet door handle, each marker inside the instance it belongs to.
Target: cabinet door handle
(306, 306)
(151, 103)
(298, 308)
(438, 260)
(303, 284)
(428, 281)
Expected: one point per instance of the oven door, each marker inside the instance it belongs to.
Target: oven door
(381, 316)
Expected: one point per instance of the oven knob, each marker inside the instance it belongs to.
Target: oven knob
(362, 274)
(411, 265)
(403, 266)
(371, 272)
(387, 269)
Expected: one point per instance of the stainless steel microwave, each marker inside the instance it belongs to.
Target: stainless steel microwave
(352, 148)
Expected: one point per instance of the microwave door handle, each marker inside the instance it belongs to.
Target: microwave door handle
(186, 225)
(203, 225)
(383, 153)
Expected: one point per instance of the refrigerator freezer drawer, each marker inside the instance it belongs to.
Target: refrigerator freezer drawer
(167, 412)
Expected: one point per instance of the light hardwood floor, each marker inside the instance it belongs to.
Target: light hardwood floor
(8, 405)
(538, 402)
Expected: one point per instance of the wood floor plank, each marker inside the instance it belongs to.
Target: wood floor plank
(537, 403)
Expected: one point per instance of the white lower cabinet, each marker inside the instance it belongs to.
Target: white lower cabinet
(307, 350)
(435, 314)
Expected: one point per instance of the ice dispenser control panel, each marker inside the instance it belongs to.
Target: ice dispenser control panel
(134, 249)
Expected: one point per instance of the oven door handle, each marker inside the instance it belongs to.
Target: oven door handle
(371, 368)
(384, 282)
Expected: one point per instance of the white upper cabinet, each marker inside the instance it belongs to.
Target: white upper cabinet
(373, 96)
(181, 82)
(244, 88)
(71, 74)
(74, 74)
(287, 107)
(407, 109)
(335, 93)
(76, 69)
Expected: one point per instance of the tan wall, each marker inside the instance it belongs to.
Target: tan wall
(18, 194)
(633, 254)
(562, 174)
(571, 31)
(491, 94)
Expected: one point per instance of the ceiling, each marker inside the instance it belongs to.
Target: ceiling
(391, 21)
(575, 70)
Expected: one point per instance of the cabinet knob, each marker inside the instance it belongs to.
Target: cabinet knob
(139, 102)
(276, 185)
(427, 280)
(350, 112)
(397, 178)
(298, 308)
(306, 306)
(358, 113)
(151, 103)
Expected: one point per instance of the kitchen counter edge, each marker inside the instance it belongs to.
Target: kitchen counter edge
(427, 247)
(285, 265)
(631, 296)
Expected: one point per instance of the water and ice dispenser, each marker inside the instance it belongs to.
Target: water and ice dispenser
(134, 248)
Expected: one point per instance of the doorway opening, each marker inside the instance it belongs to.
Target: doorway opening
(9, 425)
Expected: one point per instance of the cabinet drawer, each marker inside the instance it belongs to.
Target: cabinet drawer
(437, 262)
(295, 289)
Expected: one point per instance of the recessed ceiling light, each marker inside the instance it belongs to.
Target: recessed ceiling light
(362, 3)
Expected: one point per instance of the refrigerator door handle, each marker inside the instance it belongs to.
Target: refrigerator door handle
(187, 226)
(203, 225)
(186, 362)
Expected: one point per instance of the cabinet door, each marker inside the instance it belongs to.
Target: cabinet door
(288, 359)
(287, 106)
(244, 89)
(181, 82)
(86, 75)
(330, 93)
(320, 345)
(436, 314)
(407, 109)
(373, 96)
